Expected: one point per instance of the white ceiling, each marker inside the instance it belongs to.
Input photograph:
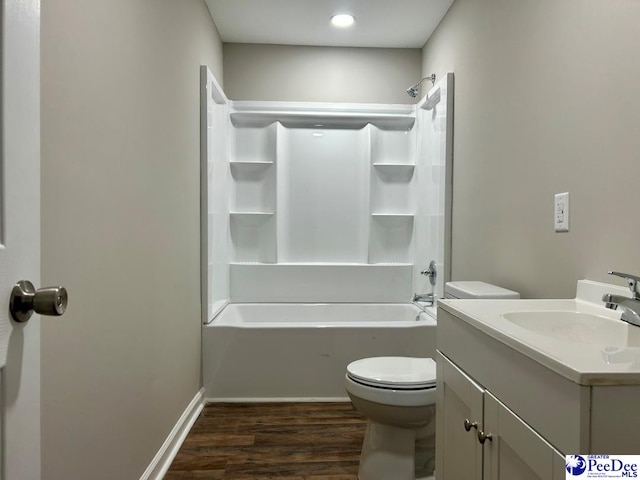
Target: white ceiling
(379, 23)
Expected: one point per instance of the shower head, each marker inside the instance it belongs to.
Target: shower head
(413, 90)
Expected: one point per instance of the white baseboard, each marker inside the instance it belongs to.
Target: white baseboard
(162, 461)
(275, 399)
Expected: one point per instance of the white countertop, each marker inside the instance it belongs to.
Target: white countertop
(607, 355)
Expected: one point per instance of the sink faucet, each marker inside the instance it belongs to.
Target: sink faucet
(630, 307)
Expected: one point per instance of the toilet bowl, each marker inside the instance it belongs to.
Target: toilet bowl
(398, 396)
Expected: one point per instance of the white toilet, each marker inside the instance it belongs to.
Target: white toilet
(398, 396)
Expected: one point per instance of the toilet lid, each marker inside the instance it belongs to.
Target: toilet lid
(394, 372)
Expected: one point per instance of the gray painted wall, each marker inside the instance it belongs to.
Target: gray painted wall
(120, 227)
(320, 74)
(547, 101)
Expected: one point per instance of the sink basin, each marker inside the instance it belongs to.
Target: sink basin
(578, 339)
(577, 327)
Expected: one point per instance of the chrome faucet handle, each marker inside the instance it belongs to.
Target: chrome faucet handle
(431, 272)
(607, 298)
(632, 281)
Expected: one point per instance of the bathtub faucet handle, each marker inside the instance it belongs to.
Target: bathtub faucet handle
(431, 272)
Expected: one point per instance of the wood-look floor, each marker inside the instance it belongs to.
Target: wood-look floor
(277, 441)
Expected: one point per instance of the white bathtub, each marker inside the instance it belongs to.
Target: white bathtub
(289, 351)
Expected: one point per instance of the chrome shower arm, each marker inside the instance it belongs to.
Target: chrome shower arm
(413, 90)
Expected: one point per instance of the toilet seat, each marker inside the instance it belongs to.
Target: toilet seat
(394, 373)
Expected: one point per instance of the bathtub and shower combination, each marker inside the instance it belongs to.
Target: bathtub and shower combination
(317, 222)
(299, 351)
(290, 331)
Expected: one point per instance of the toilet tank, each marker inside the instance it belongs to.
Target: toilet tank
(478, 290)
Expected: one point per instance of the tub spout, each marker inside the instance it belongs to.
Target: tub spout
(424, 297)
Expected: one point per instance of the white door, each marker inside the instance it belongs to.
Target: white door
(20, 233)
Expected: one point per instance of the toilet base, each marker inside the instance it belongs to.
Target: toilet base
(392, 452)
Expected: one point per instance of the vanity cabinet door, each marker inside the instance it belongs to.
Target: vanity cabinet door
(515, 451)
(459, 404)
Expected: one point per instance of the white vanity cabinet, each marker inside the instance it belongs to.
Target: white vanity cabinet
(459, 400)
(516, 451)
(465, 412)
(539, 398)
(545, 378)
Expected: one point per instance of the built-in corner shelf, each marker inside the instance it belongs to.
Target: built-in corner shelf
(251, 215)
(430, 100)
(395, 172)
(394, 166)
(250, 219)
(393, 215)
(393, 219)
(268, 177)
(250, 163)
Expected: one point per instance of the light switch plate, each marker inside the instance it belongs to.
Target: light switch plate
(561, 212)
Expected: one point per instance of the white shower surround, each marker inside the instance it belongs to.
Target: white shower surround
(308, 203)
(297, 190)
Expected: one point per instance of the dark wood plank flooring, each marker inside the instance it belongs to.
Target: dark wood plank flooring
(276, 441)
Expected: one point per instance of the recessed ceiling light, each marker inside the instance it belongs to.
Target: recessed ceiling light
(342, 20)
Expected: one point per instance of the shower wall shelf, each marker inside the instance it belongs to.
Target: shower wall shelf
(312, 115)
(252, 195)
(256, 215)
(253, 198)
(392, 201)
(275, 169)
(391, 221)
(399, 166)
(392, 167)
(430, 100)
(301, 120)
(398, 172)
(250, 163)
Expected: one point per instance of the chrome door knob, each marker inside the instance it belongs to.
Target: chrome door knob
(25, 300)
